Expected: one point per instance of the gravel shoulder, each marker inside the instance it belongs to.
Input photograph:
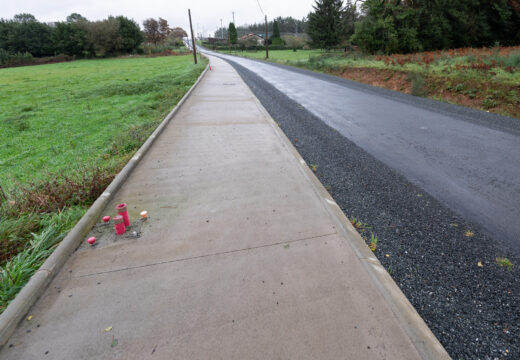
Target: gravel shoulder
(473, 310)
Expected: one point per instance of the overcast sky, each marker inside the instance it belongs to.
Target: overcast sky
(206, 13)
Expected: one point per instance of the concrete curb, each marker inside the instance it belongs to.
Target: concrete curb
(427, 345)
(17, 309)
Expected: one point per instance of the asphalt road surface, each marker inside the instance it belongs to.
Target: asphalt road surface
(469, 160)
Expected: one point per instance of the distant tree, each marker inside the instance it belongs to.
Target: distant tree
(275, 38)
(179, 33)
(26, 34)
(349, 17)
(221, 33)
(5, 28)
(294, 42)
(325, 26)
(70, 39)
(285, 24)
(151, 31)
(408, 26)
(164, 29)
(130, 33)
(276, 30)
(172, 41)
(24, 18)
(75, 17)
(389, 28)
(232, 33)
(248, 42)
(103, 36)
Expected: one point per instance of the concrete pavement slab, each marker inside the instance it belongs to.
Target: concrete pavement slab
(239, 258)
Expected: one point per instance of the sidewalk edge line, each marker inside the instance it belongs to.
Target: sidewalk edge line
(36, 285)
(425, 342)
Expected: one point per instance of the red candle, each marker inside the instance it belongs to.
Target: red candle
(119, 224)
(121, 210)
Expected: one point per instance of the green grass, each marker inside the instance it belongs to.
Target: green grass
(281, 56)
(67, 128)
(58, 117)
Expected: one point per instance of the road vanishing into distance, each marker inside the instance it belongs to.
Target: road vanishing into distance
(467, 159)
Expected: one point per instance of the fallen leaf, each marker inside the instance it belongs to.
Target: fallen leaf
(286, 246)
(108, 329)
(114, 342)
(387, 255)
(479, 264)
(29, 317)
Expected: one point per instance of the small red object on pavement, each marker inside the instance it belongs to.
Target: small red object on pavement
(106, 218)
(119, 224)
(210, 67)
(121, 210)
(91, 240)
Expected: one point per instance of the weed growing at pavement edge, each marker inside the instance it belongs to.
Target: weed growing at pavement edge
(504, 262)
(373, 242)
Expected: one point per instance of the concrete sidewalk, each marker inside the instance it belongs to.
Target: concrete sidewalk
(241, 257)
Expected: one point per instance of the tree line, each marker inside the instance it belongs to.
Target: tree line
(285, 25)
(403, 26)
(77, 36)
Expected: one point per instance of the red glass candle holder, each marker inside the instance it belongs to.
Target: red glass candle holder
(121, 210)
(119, 224)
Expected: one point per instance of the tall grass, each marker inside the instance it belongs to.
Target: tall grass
(513, 60)
(16, 272)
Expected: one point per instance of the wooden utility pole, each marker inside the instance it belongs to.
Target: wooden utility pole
(193, 40)
(266, 40)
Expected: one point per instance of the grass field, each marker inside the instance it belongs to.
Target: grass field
(67, 129)
(486, 78)
(59, 117)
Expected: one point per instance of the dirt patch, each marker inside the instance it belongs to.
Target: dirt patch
(40, 61)
(484, 95)
(388, 79)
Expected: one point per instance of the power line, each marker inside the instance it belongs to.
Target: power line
(258, 2)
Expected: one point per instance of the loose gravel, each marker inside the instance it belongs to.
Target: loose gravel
(445, 265)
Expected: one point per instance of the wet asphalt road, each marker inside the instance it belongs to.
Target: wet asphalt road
(467, 159)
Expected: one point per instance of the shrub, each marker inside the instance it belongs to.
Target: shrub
(294, 42)
(489, 102)
(10, 59)
(513, 60)
(418, 84)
